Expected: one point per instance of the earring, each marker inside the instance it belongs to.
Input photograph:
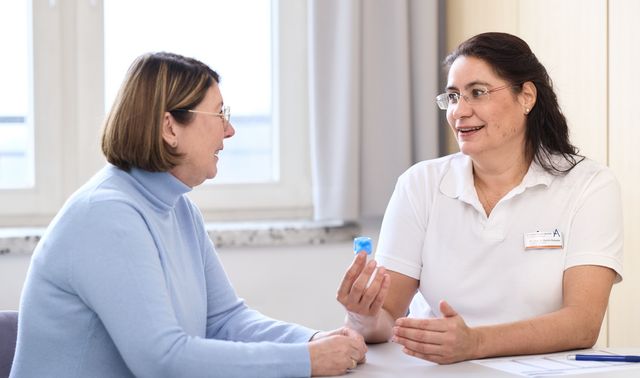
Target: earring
(174, 144)
(526, 110)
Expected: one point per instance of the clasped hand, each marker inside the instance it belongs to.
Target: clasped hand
(335, 352)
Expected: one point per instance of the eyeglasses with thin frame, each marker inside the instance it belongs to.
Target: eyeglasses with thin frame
(225, 114)
(476, 95)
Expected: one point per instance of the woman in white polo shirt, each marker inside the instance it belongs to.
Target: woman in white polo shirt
(513, 244)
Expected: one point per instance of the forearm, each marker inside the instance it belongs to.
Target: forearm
(568, 328)
(248, 325)
(197, 357)
(374, 329)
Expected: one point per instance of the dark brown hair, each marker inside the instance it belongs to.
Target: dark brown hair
(547, 133)
(155, 83)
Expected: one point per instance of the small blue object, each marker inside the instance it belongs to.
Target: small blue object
(362, 243)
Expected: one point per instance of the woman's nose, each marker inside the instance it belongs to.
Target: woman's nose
(461, 109)
(230, 131)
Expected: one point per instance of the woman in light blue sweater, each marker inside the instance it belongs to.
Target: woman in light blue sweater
(125, 281)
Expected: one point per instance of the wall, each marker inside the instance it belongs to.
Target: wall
(586, 45)
(624, 136)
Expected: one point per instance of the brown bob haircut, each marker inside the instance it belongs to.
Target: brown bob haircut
(156, 83)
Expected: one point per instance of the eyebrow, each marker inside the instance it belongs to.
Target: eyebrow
(471, 84)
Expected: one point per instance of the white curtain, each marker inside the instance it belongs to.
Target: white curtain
(374, 69)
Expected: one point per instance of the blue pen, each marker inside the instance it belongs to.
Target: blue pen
(604, 357)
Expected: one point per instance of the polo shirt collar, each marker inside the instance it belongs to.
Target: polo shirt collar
(457, 181)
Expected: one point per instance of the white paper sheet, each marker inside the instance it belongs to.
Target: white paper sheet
(551, 365)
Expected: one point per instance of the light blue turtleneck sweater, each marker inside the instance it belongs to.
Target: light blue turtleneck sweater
(125, 282)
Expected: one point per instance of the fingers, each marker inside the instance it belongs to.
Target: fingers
(384, 284)
(334, 355)
(428, 345)
(420, 336)
(346, 331)
(446, 309)
(359, 292)
(432, 324)
(419, 347)
(355, 341)
(350, 276)
(360, 284)
(372, 293)
(443, 340)
(352, 347)
(423, 338)
(358, 347)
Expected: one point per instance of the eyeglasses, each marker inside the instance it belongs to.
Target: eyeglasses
(476, 96)
(225, 113)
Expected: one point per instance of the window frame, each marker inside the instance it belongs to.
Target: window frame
(68, 100)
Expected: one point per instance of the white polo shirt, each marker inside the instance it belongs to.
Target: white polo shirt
(435, 230)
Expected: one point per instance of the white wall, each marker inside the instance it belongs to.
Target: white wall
(292, 283)
(624, 135)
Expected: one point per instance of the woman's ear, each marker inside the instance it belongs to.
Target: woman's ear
(528, 96)
(169, 130)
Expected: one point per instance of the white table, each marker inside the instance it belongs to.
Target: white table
(387, 360)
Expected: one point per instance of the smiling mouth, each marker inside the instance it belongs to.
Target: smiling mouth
(465, 130)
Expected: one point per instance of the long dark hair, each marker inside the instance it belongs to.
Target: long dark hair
(547, 133)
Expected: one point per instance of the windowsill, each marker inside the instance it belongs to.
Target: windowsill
(22, 241)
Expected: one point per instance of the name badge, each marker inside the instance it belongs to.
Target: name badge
(543, 240)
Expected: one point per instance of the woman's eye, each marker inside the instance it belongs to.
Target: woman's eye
(453, 97)
(478, 92)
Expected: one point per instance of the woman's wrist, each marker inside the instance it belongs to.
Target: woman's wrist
(478, 335)
(375, 328)
(359, 322)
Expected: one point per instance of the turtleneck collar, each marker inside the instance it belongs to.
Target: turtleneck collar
(161, 188)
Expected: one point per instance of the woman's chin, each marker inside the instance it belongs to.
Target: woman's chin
(212, 174)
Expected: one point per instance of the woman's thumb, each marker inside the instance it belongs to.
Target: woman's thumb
(446, 309)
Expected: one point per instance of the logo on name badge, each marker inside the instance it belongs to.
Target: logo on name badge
(543, 240)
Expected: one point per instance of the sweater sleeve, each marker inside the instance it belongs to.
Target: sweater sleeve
(229, 318)
(120, 277)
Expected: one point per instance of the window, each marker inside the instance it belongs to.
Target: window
(264, 169)
(234, 42)
(16, 133)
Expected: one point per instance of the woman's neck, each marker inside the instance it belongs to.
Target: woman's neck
(493, 180)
